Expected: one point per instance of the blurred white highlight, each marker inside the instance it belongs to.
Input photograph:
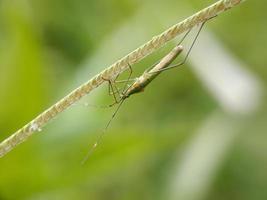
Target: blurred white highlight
(234, 87)
(238, 92)
(196, 170)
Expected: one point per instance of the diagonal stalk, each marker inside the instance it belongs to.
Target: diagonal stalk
(118, 67)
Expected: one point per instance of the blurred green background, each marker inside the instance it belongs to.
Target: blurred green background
(47, 48)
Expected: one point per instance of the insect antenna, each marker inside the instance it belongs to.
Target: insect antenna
(119, 102)
(100, 137)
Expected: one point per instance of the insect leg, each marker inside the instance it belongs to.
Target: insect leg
(113, 84)
(125, 81)
(187, 54)
(152, 66)
(185, 35)
(111, 91)
(128, 79)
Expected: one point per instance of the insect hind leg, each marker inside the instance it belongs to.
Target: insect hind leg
(190, 49)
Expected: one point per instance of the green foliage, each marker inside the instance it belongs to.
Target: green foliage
(44, 45)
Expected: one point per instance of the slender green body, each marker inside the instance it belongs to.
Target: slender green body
(142, 81)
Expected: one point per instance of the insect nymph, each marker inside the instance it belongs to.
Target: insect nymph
(140, 83)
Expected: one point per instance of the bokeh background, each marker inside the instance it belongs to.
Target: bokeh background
(196, 133)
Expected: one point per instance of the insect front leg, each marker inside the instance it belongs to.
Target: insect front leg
(112, 91)
(126, 81)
